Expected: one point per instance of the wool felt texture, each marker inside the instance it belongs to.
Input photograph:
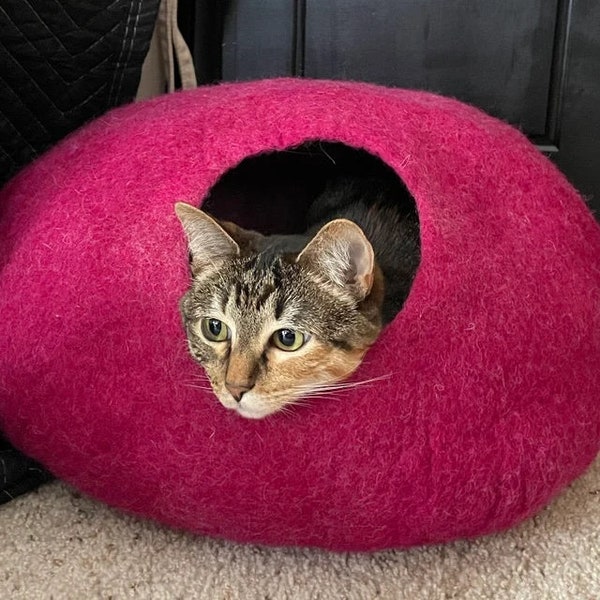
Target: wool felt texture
(488, 402)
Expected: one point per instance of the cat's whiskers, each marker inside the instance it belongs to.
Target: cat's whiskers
(325, 388)
(322, 149)
(287, 409)
(302, 395)
(198, 387)
(198, 382)
(199, 377)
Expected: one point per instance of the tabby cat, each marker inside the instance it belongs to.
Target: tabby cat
(275, 319)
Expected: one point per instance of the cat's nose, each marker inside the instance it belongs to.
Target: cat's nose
(237, 390)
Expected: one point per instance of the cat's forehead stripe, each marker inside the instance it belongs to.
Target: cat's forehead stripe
(222, 299)
(260, 280)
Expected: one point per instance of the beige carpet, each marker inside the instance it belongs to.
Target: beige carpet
(56, 544)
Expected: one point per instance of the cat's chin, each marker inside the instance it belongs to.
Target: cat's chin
(252, 413)
(248, 410)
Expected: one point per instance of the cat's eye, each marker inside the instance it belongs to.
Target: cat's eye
(288, 339)
(214, 330)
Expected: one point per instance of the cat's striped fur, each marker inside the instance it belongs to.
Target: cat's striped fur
(326, 286)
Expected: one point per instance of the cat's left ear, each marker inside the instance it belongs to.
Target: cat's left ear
(341, 252)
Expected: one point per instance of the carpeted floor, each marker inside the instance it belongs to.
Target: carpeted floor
(56, 544)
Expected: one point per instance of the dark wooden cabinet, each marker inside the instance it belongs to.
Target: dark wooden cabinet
(534, 63)
(497, 55)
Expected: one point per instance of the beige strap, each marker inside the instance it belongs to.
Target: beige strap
(175, 52)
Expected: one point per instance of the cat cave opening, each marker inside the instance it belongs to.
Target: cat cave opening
(294, 190)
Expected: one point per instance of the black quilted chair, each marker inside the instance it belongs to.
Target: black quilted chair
(62, 63)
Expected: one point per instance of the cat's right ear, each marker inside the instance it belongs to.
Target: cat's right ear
(208, 242)
(341, 252)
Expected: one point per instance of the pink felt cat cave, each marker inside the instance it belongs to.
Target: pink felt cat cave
(488, 401)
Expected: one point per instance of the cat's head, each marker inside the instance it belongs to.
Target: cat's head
(272, 326)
